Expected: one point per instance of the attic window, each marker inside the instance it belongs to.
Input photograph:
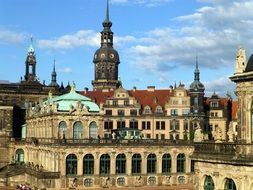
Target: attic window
(214, 104)
(159, 109)
(147, 110)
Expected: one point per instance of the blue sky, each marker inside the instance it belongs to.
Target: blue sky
(158, 40)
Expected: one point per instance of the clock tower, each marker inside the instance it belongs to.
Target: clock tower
(106, 59)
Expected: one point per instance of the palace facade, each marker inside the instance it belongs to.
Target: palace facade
(54, 137)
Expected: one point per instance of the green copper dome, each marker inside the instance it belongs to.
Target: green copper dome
(71, 100)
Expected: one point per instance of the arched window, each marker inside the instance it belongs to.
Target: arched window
(208, 184)
(78, 130)
(151, 163)
(93, 130)
(181, 163)
(121, 164)
(166, 163)
(20, 156)
(229, 184)
(105, 164)
(71, 164)
(136, 164)
(88, 164)
(62, 130)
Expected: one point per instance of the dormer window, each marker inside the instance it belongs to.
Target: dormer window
(147, 110)
(159, 110)
(214, 104)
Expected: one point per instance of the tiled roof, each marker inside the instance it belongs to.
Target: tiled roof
(151, 98)
(98, 96)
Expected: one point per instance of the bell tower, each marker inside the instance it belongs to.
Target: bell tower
(30, 71)
(106, 59)
(30, 77)
(196, 92)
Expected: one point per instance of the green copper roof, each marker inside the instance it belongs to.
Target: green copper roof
(71, 99)
(30, 49)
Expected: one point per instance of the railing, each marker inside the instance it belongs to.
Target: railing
(103, 142)
(215, 148)
(16, 169)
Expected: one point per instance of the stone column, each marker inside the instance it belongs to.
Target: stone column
(187, 164)
(173, 163)
(159, 163)
(144, 163)
(62, 164)
(129, 163)
(96, 163)
(79, 164)
(113, 163)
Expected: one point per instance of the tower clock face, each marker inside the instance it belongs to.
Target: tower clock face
(112, 55)
(102, 55)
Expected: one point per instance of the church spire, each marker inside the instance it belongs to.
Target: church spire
(196, 72)
(107, 23)
(53, 77)
(31, 49)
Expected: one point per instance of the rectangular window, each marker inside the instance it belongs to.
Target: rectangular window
(185, 111)
(174, 112)
(121, 124)
(174, 124)
(121, 112)
(115, 102)
(133, 112)
(148, 136)
(126, 102)
(108, 125)
(143, 125)
(162, 136)
(108, 112)
(162, 125)
(216, 114)
(157, 136)
(212, 114)
(158, 125)
(133, 124)
(148, 125)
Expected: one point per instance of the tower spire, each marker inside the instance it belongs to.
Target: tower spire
(53, 77)
(107, 23)
(196, 72)
(31, 49)
(107, 11)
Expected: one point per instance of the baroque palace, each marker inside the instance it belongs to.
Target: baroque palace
(54, 137)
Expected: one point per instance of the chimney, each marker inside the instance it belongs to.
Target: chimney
(151, 88)
(86, 90)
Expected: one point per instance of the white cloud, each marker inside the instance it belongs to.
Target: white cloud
(7, 36)
(147, 3)
(80, 38)
(213, 33)
(119, 1)
(221, 86)
(65, 70)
